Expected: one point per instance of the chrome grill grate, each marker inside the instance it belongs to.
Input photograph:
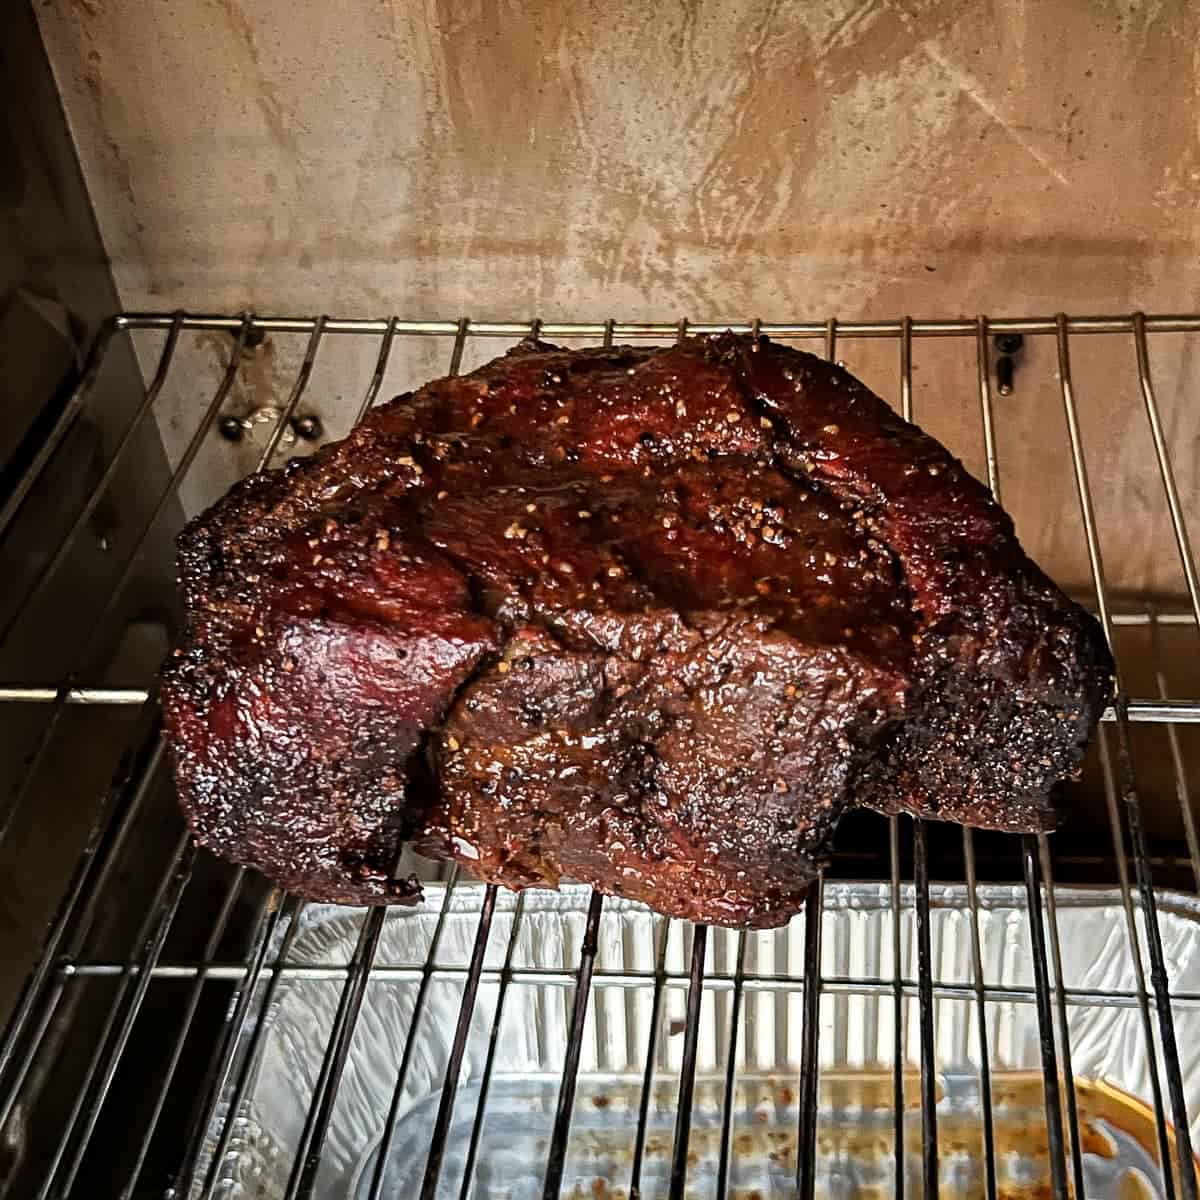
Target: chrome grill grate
(219, 1006)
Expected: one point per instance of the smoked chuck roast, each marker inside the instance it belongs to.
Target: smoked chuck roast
(647, 618)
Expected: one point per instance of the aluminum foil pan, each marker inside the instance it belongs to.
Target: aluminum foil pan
(1109, 1055)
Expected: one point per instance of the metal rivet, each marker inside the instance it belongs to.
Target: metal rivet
(307, 427)
(1004, 375)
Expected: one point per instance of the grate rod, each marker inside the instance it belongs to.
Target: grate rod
(570, 1072)
(1128, 787)
(1163, 454)
(307, 1157)
(1182, 790)
(466, 1010)
(425, 978)
(898, 1023)
(687, 1069)
(717, 981)
(985, 1065)
(921, 327)
(731, 1068)
(1060, 1017)
(189, 1012)
(250, 1059)
(298, 390)
(900, 1163)
(16, 693)
(102, 484)
(381, 364)
(222, 1061)
(735, 1016)
(1050, 1082)
(110, 1046)
(983, 369)
(1143, 1001)
(652, 1040)
(489, 1064)
(49, 1006)
(66, 419)
(810, 1064)
(929, 1086)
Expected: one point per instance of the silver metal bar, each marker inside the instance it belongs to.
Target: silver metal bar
(425, 977)
(929, 1085)
(250, 1056)
(735, 1013)
(922, 327)
(1050, 1083)
(866, 985)
(809, 1090)
(1158, 975)
(810, 1063)
(30, 694)
(251, 1051)
(189, 1012)
(1155, 617)
(1157, 712)
(557, 1157)
(1182, 791)
(48, 1006)
(62, 426)
(983, 370)
(298, 390)
(977, 984)
(307, 1157)
(1174, 506)
(687, 1069)
(1161, 1126)
(489, 1064)
(222, 1061)
(381, 363)
(899, 1025)
(460, 341)
(466, 1010)
(1060, 1014)
(110, 1045)
(652, 1041)
(102, 485)
(1083, 488)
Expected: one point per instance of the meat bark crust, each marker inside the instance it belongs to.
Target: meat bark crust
(647, 618)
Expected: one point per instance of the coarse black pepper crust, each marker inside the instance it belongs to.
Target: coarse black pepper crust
(651, 618)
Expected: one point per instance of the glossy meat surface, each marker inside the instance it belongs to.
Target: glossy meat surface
(648, 618)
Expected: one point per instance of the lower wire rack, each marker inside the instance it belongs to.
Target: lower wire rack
(186, 1032)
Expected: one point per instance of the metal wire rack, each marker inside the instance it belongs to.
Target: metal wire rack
(205, 1003)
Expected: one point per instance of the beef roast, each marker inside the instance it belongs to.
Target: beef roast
(648, 618)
